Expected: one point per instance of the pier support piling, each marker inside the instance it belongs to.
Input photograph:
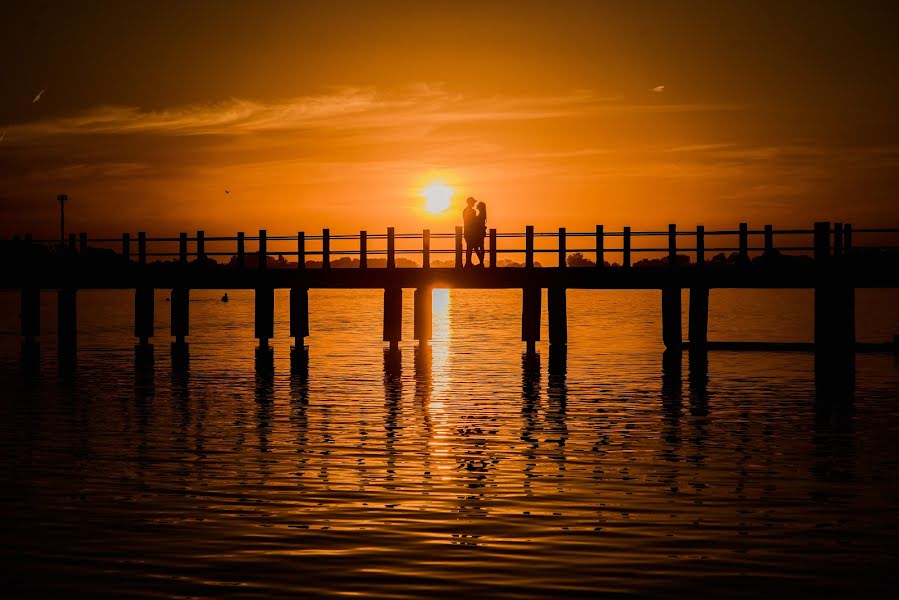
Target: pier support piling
(180, 311)
(698, 326)
(423, 315)
(31, 315)
(265, 315)
(834, 299)
(530, 316)
(299, 315)
(66, 320)
(671, 318)
(557, 308)
(144, 308)
(393, 316)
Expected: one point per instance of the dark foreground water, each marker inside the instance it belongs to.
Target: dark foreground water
(463, 469)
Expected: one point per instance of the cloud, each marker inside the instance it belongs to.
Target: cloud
(343, 109)
(658, 89)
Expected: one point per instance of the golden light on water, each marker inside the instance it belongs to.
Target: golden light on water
(437, 197)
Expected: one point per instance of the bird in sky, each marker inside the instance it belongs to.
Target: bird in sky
(227, 191)
(38, 97)
(658, 89)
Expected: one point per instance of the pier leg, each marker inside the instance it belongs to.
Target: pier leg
(31, 315)
(144, 307)
(698, 327)
(834, 318)
(66, 323)
(299, 315)
(180, 324)
(671, 318)
(557, 307)
(265, 315)
(393, 316)
(423, 315)
(530, 317)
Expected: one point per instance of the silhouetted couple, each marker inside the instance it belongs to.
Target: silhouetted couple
(475, 230)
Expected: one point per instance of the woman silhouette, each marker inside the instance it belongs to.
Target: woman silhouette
(481, 228)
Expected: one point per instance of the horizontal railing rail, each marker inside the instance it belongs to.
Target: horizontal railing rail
(321, 249)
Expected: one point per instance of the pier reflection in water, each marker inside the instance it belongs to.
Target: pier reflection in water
(455, 467)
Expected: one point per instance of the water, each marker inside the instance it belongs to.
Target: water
(467, 468)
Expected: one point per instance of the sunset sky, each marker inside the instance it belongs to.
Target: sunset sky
(336, 114)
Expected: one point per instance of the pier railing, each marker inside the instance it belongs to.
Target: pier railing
(598, 248)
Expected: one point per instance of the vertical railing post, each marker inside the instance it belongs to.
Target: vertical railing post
(626, 248)
(744, 242)
(847, 238)
(263, 253)
(363, 249)
(241, 250)
(201, 245)
(326, 248)
(426, 248)
(301, 253)
(563, 253)
(600, 247)
(493, 264)
(126, 246)
(529, 246)
(82, 243)
(458, 247)
(769, 239)
(672, 245)
(700, 245)
(182, 248)
(391, 248)
(142, 248)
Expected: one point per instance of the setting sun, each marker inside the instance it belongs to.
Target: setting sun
(437, 197)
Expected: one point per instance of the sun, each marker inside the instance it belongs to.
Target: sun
(437, 197)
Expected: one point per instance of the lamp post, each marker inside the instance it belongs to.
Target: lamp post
(63, 198)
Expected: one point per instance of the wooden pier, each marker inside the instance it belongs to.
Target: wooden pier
(825, 258)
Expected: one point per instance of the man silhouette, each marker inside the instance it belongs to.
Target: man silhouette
(470, 229)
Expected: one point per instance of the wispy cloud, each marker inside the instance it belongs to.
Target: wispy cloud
(342, 109)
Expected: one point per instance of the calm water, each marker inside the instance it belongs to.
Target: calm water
(463, 469)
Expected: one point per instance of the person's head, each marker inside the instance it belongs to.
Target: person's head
(482, 207)
(470, 201)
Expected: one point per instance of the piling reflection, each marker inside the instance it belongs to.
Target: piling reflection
(264, 393)
(699, 405)
(144, 392)
(30, 362)
(672, 409)
(557, 402)
(530, 407)
(423, 392)
(299, 405)
(393, 395)
(834, 411)
(424, 386)
(180, 389)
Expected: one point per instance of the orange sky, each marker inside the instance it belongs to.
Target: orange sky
(336, 114)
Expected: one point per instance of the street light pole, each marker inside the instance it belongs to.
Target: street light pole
(63, 198)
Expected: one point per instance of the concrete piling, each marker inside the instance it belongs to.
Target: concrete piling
(530, 316)
(393, 316)
(299, 315)
(423, 314)
(671, 318)
(557, 309)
